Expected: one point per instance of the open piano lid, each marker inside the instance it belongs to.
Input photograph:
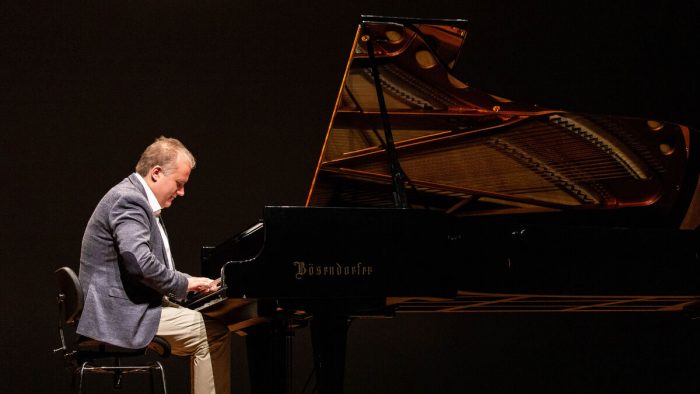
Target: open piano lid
(467, 152)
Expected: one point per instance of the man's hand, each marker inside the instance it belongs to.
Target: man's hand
(200, 285)
(215, 285)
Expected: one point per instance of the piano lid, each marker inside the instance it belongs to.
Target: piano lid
(467, 152)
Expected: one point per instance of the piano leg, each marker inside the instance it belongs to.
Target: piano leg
(268, 358)
(328, 338)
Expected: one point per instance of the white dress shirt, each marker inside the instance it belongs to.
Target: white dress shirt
(155, 206)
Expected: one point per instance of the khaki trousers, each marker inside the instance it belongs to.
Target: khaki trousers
(205, 340)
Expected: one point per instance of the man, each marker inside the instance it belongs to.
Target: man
(129, 278)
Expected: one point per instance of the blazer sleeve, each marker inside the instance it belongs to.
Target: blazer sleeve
(131, 226)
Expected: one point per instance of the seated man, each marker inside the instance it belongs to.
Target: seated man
(129, 278)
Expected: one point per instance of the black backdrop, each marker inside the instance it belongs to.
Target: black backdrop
(249, 87)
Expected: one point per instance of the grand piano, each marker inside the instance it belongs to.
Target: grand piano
(433, 196)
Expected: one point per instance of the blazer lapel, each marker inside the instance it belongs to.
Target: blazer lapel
(165, 253)
(153, 221)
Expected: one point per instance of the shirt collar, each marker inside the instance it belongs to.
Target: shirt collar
(152, 200)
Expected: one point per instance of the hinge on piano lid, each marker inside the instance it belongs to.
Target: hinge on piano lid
(206, 252)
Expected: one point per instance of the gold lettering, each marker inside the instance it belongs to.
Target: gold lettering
(338, 269)
(301, 269)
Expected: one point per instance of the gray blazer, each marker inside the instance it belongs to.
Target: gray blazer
(122, 269)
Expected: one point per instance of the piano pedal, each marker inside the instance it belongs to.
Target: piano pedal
(296, 320)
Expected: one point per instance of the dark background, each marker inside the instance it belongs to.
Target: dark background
(249, 87)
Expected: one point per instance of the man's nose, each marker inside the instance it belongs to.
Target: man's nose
(181, 191)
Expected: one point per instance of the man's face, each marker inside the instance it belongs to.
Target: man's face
(167, 187)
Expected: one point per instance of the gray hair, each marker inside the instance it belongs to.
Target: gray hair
(163, 152)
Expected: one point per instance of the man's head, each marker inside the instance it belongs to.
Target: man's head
(166, 166)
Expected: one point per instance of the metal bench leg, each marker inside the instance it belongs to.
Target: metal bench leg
(82, 375)
(162, 377)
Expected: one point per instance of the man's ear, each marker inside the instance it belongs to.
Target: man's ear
(156, 173)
